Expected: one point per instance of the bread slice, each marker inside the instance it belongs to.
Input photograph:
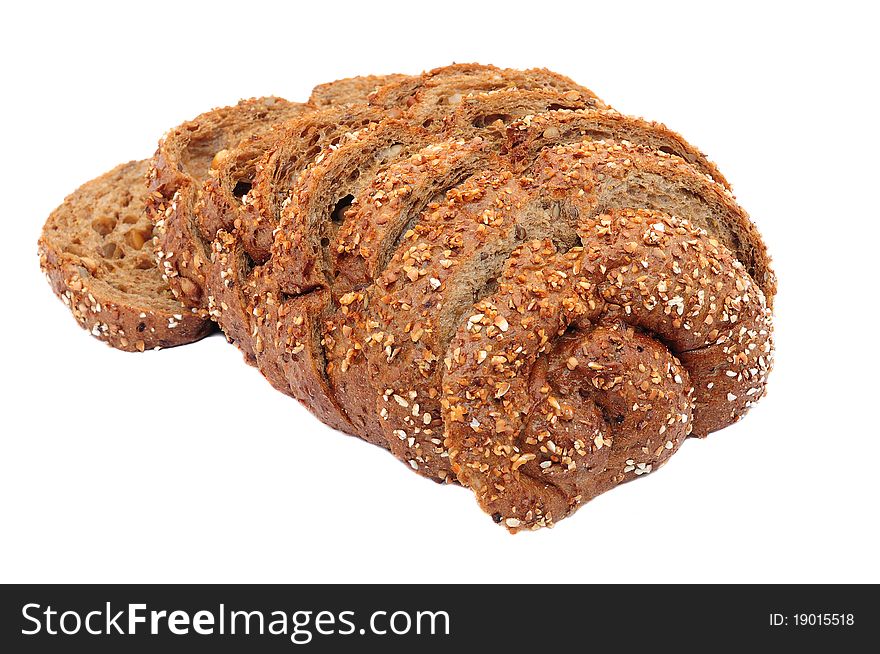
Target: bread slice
(182, 163)
(560, 126)
(351, 90)
(96, 251)
(488, 114)
(419, 97)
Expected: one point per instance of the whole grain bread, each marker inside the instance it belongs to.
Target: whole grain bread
(488, 272)
(96, 250)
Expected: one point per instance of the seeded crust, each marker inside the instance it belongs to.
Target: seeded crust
(300, 263)
(351, 90)
(233, 291)
(305, 242)
(179, 168)
(589, 378)
(95, 250)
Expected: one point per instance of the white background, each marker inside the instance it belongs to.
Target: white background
(185, 466)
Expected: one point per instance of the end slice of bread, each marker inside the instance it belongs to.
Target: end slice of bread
(96, 250)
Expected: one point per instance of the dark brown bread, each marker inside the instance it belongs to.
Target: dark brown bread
(374, 226)
(96, 250)
(182, 163)
(351, 90)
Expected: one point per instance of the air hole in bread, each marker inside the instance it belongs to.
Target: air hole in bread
(247, 264)
(338, 214)
(144, 263)
(137, 236)
(107, 250)
(241, 189)
(141, 326)
(389, 153)
(484, 121)
(325, 241)
(104, 225)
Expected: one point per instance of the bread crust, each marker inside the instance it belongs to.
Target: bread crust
(592, 335)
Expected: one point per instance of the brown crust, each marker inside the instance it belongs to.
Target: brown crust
(513, 395)
(119, 298)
